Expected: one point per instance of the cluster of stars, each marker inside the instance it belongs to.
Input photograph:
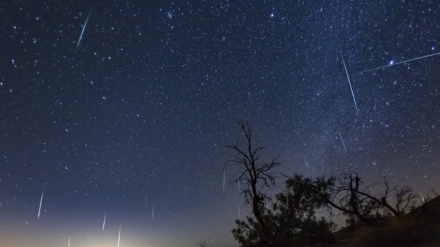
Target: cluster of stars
(104, 105)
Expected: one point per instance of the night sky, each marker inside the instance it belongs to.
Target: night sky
(111, 107)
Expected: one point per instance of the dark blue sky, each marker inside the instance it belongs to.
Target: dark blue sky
(142, 105)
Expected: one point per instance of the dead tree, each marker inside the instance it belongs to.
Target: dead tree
(202, 244)
(389, 200)
(369, 204)
(256, 175)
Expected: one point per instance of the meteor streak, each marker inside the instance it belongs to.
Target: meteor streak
(305, 160)
(406, 61)
(152, 212)
(224, 179)
(119, 236)
(103, 223)
(349, 82)
(41, 203)
(68, 243)
(84, 28)
(343, 143)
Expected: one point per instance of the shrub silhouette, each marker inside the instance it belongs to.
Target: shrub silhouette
(398, 231)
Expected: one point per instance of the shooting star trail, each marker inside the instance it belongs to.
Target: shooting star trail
(103, 223)
(84, 28)
(152, 212)
(349, 82)
(224, 179)
(305, 160)
(41, 203)
(119, 236)
(343, 143)
(423, 198)
(68, 243)
(406, 61)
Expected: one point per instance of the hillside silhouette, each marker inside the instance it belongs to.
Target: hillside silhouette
(418, 228)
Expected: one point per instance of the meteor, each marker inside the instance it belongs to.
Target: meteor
(119, 236)
(224, 179)
(406, 61)
(349, 82)
(343, 143)
(68, 243)
(103, 223)
(305, 160)
(152, 212)
(41, 203)
(84, 28)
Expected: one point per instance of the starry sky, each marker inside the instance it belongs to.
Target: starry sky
(115, 107)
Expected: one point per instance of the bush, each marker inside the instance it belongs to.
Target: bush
(404, 231)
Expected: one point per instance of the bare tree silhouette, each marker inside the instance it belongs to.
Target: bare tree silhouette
(256, 175)
(352, 197)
